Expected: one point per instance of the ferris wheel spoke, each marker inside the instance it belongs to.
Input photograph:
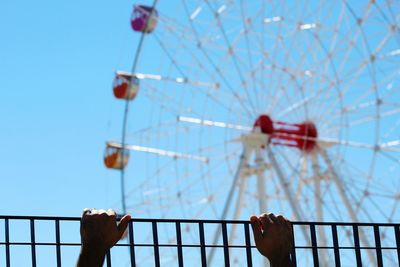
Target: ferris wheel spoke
(345, 199)
(285, 72)
(319, 205)
(243, 161)
(314, 30)
(316, 43)
(249, 53)
(327, 62)
(284, 184)
(389, 156)
(298, 213)
(173, 106)
(242, 185)
(213, 123)
(181, 80)
(389, 146)
(218, 71)
(272, 56)
(159, 152)
(261, 43)
(302, 173)
(214, 66)
(178, 80)
(233, 54)
(370, 118)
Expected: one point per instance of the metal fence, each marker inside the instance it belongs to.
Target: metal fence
(339, 244)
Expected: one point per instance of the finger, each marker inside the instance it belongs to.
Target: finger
(265, 221)
(111, 212)
(256, 226)
(86, 211)
(123, 224)
(101, 211)
(273, 218)
(282, 220)
(93, 211)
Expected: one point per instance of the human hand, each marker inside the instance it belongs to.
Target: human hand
(99, 228)
(273, 238)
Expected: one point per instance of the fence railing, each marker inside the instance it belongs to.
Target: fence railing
(55, 241)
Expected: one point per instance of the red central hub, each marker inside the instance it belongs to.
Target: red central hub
(300, 135)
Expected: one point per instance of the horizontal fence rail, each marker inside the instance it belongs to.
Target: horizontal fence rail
(55, 241)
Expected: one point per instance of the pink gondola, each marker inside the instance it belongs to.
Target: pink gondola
(144, 19)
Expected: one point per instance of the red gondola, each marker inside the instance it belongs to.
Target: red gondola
(144, 19)
(125, 86)
(115, 157)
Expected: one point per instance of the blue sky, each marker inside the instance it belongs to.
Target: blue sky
(57, 110)
(57, 65)
(57, 62)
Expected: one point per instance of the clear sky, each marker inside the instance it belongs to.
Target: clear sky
(57, 63)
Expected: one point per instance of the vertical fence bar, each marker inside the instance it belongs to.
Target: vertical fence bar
(378, 247)
(179, 243)
(155, 243)
(226, 244)
(33, 242)
(58, 242)
(202, 245)
(335, 245)
(293, 254)
(248, 244)
(397, 234)
(132, 245)
(108, 257)
(357, 249)
(314, 245)
(33, 247)
(7, 233)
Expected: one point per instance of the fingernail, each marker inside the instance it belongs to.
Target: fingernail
(253, 218)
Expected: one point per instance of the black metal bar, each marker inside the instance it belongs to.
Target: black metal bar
(179, 243)
(246, 248)
(155, 243)
(357, 249)
(314, 245)
(248, 244)
(397, 234)
(33, 248)
(132, 245)
(202, 245)
(335, 245)
(48, 218)
(226, 244)
(378, 247)
(58, 243)
(293, 253)
(108, 258)
(7, 233)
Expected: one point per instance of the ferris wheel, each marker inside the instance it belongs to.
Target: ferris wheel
(234, 108)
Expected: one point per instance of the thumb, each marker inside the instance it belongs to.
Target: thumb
(123, 224)
(256, 226)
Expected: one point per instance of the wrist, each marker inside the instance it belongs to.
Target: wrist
(92, 255)
(281, 261)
